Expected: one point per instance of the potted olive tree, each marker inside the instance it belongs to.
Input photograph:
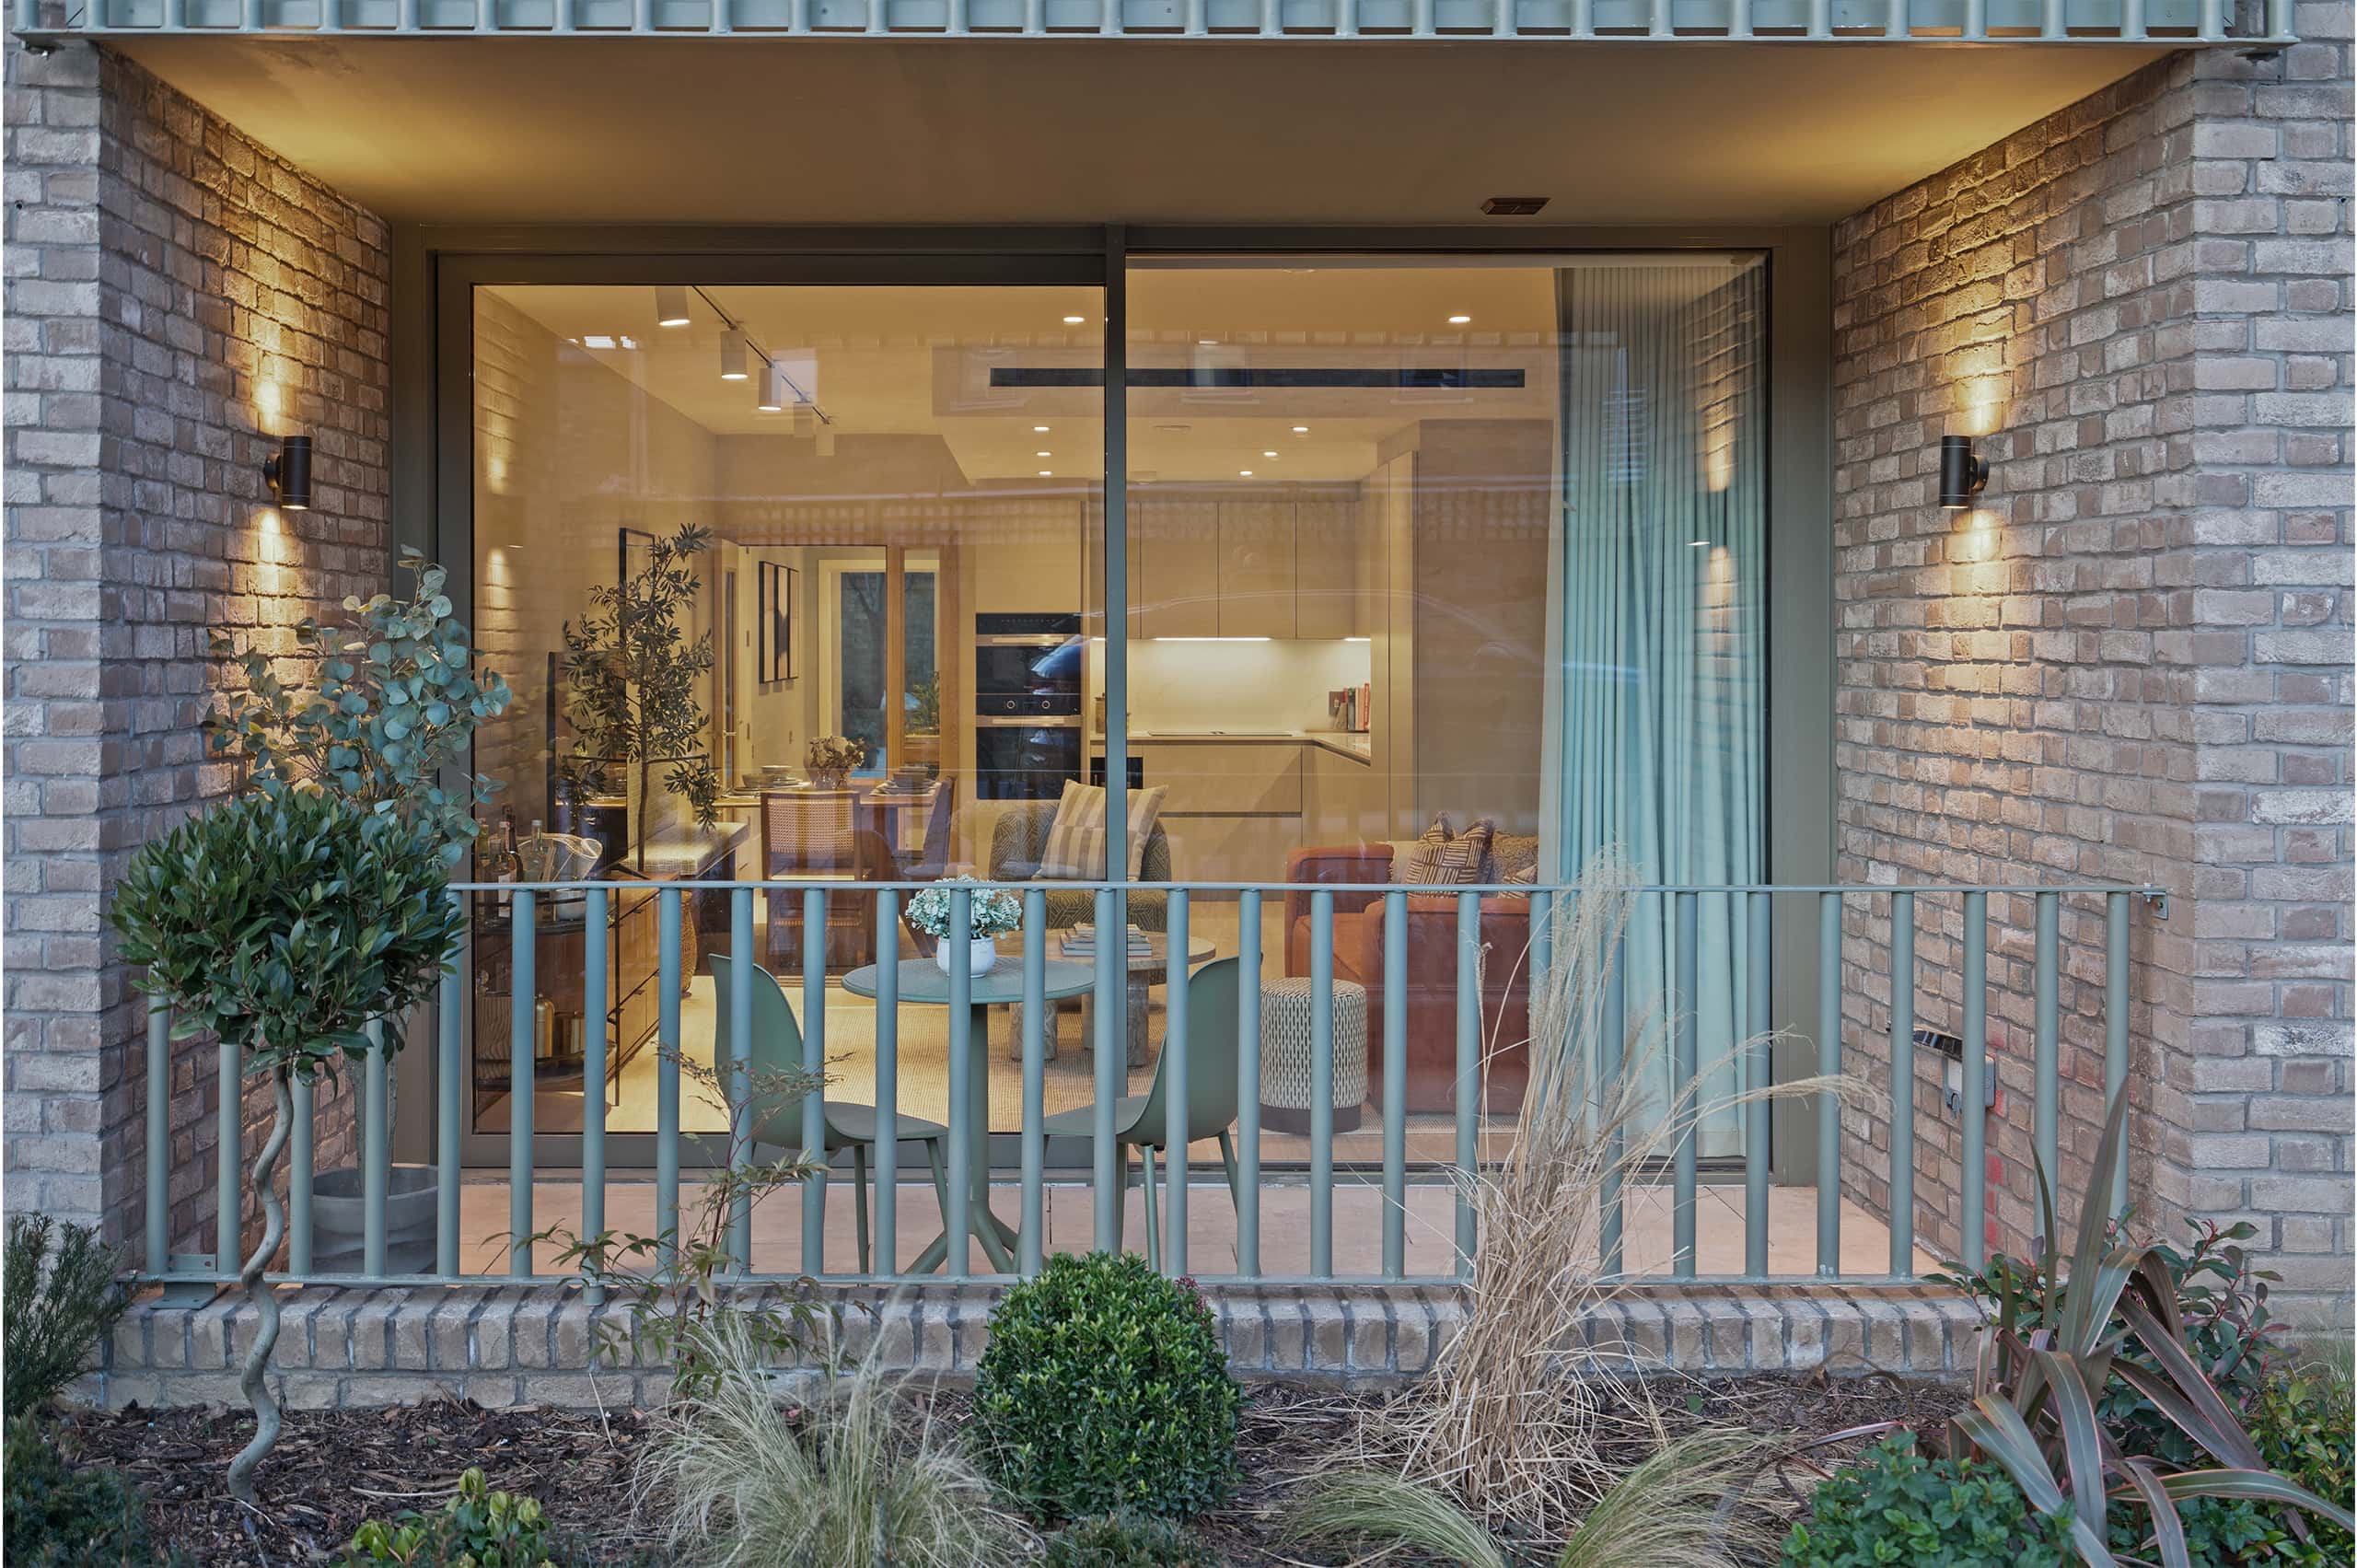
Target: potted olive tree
(283, 923)
(381, 711)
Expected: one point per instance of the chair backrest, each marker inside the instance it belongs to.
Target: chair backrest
(1019, 836)
(777, 1048)
(1211, 1057)
(809, 830)
(934, 859)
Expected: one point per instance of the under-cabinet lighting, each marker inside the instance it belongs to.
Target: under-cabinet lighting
(1207, 639)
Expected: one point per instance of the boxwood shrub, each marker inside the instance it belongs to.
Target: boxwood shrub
(1104, 1387)
(1896, 1507)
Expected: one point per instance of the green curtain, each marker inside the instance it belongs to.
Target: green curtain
(1665, 570)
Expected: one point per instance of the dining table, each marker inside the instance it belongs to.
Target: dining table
(925, 983)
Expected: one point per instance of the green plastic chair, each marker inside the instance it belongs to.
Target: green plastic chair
(777, 1119)
(1142, 1121)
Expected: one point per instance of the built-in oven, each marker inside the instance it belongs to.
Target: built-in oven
(1025, 758)
(1028, 663)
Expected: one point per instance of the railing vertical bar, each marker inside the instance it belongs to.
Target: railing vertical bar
(1395, 1079)
(1685, 1089)
(1321, 1082)
(1542, 940)
(1174, 1085)
(1346, 19)
(1419, 18)
(159, 1135)
(1738, 18)
(960, 1261)
(814, 1063)
(1759, 1023)
(2046, 1068)
(738, 1073)
(449, 1072)
(1614, 1028)
(595, 924)
(2054, 23)
(1820, 19)
(1976, 17)
(886, 1239)
(1828, 1104)
(2131, 18)
(2279, 19)
(1901, 23)
(2214, 18)
(1108, 1174)
(667, 1073)
(1036, 1018)
(1902, 1083)
(228, 1161)
(1469, 1072)
(1508, 20)
(2115, 1024)
(1583, 19)
(375, 1153)
(1248, 1083)
(523, 991)
(1658, 22)
(1974, 1185)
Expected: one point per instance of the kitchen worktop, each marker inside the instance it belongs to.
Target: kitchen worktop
(1357, 746)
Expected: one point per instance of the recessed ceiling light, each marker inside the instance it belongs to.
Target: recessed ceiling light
(1268, 454)
(1039, 430)
(1458, 321)
(1045, 473)
(1301, 430)
(1074, 320)
(1043, 453)
(1244, 473)
(597, 340)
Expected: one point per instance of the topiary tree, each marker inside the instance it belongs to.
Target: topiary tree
(283, 923)
(1104, 1387)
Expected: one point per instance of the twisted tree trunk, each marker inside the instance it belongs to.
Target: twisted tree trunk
(264, 1297)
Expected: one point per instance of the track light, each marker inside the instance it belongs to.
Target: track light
(1962, 472)
(732, 358)
(288, 473)
(773, 392)
(670, 304)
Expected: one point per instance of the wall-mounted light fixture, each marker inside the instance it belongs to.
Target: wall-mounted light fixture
(288, 473)
(1962, 472)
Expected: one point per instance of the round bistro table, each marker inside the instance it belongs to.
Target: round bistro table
(926, 983)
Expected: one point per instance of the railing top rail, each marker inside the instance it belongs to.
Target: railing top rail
(1415, 889)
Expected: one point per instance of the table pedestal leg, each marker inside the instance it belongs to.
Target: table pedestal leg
(996, 1237)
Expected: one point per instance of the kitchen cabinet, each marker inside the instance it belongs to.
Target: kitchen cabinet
(1175, 557)
(1284, 564)
(1256, 569)
(1344, 800)
(1232, 809)
(1330, 593)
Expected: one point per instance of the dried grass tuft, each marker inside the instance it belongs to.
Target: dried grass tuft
(1519, 1424)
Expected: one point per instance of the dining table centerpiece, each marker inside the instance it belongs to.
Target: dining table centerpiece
(991, 912)
(829, 759)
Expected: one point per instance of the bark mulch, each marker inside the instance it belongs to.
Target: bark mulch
(332, 1469)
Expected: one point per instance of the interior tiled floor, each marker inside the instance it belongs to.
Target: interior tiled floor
(1069, 1212)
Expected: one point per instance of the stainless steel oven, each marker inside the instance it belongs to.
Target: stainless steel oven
(1025, 758)
(1028, 663)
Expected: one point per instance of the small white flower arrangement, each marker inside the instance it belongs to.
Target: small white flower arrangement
(992, 912)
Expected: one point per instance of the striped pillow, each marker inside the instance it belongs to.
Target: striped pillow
(1441, 857)
(1075, 848)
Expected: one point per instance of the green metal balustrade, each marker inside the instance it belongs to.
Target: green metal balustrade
(1750, 910)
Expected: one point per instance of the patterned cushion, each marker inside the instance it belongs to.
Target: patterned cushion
(1075, 848)
(1438, 857)
(1513, 857)
(1524, 876)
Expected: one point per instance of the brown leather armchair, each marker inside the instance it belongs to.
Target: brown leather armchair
(1432, 975)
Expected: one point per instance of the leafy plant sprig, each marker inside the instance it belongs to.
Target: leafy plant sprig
(992, 912)
(673, 1281)
(477, 1526)
(837, 753)
(390, 701)
(59, 1304)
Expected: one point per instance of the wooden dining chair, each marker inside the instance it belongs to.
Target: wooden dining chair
(815, 835)
(933, 860)
(776, 1120)
(1142, 1121)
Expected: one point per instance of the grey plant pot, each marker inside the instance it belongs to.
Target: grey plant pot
(339, 1220)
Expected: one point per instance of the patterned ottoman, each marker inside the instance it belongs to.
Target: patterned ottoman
(1286, 1057)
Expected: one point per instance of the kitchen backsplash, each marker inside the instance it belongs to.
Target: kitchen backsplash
(1275, 685)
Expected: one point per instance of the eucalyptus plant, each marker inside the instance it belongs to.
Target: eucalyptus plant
(282, 923)
(393, 700)
(633, 677)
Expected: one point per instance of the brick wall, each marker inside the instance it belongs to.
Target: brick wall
(177, 298)
(2129, 663)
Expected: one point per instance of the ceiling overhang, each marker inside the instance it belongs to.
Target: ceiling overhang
(750, 129)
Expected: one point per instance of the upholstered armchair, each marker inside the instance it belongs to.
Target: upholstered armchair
(1020, 835)
(1430, 983)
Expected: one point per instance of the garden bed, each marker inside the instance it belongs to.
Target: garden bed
(334, 1468)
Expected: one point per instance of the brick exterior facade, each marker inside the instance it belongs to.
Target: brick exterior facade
(2130, 662)
(178, 298)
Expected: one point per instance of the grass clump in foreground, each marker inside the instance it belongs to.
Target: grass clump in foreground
(853, 1480)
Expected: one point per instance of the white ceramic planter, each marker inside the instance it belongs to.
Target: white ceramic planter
(982, 955)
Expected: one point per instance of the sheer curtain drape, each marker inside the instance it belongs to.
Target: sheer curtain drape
(1664, 574)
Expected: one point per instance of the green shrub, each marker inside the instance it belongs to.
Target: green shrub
(1103, 1388)
(57, 1306)
(59, 1516)
(1896, 1507)
(477, 1528)
(2301, 1421)
(1127, 1540)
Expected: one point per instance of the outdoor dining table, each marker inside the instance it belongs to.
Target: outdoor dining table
(926, 983)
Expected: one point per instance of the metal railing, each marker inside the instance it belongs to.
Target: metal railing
(2181, 22)
(1748, 916)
